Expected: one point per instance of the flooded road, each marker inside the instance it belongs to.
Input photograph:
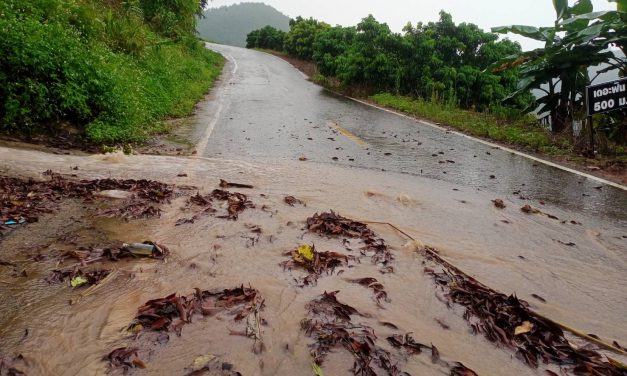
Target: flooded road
(572, 253)
(583, 285)
(270, 112)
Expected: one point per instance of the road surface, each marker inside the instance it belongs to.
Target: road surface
(269, 112)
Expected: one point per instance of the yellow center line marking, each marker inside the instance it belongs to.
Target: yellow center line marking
(348, 134)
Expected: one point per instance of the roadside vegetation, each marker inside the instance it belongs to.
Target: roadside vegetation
(104, 71)
(464, 77)
(505, 125)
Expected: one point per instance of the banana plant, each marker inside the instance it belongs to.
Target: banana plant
(580, 38)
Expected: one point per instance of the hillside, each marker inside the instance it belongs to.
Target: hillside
(230, 24)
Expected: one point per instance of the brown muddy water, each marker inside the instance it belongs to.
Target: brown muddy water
(583, 284)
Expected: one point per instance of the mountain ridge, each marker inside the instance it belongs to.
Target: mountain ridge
(230, 24)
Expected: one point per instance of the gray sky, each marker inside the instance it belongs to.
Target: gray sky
(396, 13)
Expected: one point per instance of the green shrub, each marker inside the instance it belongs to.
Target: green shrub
(100, 68)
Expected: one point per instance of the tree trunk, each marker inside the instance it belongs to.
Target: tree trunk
(560, 119)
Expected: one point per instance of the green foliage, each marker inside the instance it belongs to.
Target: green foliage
(171, 18)
(439, 60)
(299, 41)
(230, 24)
(267, 37)
(329, 44)
(99, 68)
(579, 40)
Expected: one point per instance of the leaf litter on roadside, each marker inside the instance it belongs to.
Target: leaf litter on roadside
(78, 277)
(23, 201)
(124, 358)
(314, 262)
(236, 203)
(330, 323)
(509, 321)
(332, 224)
(171, 313)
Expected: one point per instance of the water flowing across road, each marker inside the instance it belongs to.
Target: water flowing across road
(260, 119)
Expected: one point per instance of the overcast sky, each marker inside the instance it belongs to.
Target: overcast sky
(396, 13)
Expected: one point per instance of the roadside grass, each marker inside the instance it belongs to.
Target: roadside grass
(95, 67)
(166, 83)
(498, 126)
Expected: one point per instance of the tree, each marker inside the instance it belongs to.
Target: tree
(447, 61)
(267, 37)
(329, 44)
(300, 39)
(578, 40)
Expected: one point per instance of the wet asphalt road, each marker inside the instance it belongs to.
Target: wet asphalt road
(269, 112)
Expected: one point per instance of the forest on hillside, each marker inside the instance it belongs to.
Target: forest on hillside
(230, 24)
(440, 60)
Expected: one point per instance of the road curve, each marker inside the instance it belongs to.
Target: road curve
(269, 112)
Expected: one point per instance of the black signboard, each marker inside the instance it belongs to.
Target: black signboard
(607, 97)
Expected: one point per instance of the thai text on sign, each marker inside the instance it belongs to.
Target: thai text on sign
(607, 97)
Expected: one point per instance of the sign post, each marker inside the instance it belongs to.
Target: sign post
(603, 98)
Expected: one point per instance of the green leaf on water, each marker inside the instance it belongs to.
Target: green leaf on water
(78, 281)
(317, 370)
(202, 361)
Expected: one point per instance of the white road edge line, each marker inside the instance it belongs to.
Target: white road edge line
(232, 59)
(202, 144)
(488, 143)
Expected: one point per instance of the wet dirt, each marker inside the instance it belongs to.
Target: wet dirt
(582, 285)
(179, 140)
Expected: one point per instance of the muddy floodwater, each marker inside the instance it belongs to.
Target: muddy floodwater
(578, 268)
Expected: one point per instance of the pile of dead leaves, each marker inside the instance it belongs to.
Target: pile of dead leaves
(509, 321)
(329, 324)
(332, 224)
(23, 201)
(314, 262)
(171, 313)
(78, 277)
(236, 203)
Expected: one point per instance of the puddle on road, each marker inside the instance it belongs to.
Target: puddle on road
(582, 283)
